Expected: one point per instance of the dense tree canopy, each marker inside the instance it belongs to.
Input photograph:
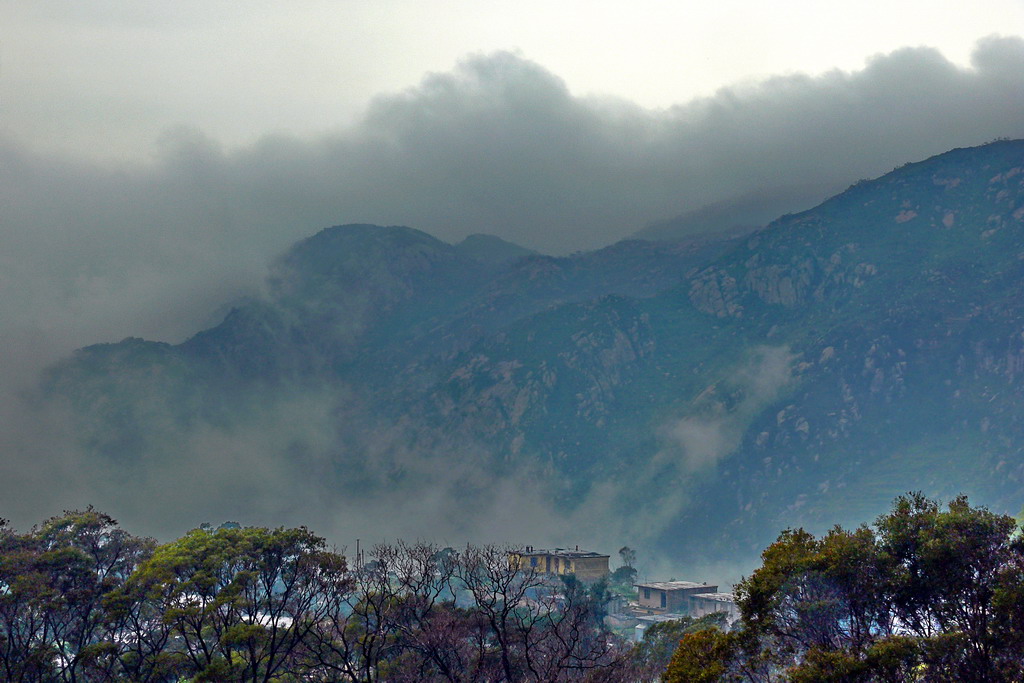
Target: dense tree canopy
(928, 593)
(54, 583)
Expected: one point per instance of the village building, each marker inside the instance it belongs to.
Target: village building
(698, 605)
(669, 596)
(585, 565)
(702, 604)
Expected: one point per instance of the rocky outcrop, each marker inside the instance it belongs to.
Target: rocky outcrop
(715, 292)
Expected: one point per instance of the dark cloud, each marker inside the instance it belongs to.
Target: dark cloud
(95, 252)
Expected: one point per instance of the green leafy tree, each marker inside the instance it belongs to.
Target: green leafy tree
(652, 654)
(25, 648)
(54, 582)
(704, 656)
(623, 577)
(926, 593)
(946, 568)
(241, 603)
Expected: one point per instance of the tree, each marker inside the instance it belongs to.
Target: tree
(359, 637)
(704, 656)
(945, 570)
(242, 603)
(25, 653)
(926, 592)
(652, 655)
(54, 582)
(624, 576)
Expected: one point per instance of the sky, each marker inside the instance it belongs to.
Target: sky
(106, 78)
(155, 157)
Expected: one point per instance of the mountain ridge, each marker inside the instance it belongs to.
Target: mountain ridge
(866, 346)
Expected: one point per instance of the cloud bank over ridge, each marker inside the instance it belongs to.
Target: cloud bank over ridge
(497, 145)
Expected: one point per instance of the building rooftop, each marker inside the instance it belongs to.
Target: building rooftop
(674, 585)
(660, 618)
(718, 597)
(561, 552)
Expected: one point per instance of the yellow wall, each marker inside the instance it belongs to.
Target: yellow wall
(584, 568)
(591, 568)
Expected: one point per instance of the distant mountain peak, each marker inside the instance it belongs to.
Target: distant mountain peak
(492, 249)
(735, 215)
(363, 235)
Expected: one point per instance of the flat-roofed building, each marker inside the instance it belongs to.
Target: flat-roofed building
(669, 596)
(585, 565)
(702, 604)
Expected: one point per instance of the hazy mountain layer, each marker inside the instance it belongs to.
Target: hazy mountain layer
(688, 398)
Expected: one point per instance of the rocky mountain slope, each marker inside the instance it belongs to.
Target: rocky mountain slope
(690, 398)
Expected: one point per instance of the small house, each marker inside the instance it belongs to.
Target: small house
(702, 604)
(669, 596)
